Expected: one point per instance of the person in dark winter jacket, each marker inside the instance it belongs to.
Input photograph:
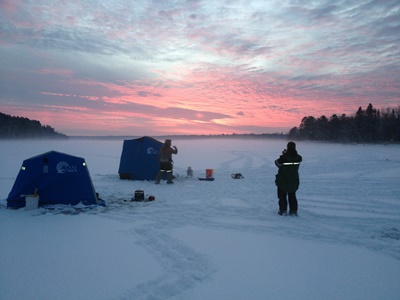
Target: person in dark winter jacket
(165, 161)
(287, 180)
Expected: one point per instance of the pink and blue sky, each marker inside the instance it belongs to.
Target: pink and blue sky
(195, 67)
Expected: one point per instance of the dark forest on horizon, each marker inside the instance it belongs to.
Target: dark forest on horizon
(365, 126)
(19, 127)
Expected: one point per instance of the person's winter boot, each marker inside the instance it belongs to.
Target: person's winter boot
(169, 177)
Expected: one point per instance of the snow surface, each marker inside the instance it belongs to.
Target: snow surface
(210, 240)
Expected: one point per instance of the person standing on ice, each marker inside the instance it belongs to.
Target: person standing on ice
(165, 161)
(287, 180)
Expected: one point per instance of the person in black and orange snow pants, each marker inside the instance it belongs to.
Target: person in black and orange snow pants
(165, 161)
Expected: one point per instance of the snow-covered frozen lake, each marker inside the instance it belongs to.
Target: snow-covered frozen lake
(210, 240)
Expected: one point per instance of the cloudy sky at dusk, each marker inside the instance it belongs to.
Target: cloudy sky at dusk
(195, 67)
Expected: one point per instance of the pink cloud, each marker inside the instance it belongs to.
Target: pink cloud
(10, 6)
(186, 102)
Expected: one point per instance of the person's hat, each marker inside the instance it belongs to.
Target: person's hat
(291, 146)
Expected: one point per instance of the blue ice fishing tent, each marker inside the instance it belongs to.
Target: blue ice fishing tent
(139, 159)
(58, 178)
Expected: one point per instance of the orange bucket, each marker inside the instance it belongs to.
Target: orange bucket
(209, 173)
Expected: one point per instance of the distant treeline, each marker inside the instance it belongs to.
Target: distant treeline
(186, 136)
(19, 127)
(366, 126)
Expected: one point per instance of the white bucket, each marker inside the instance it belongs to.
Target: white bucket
(31, 202)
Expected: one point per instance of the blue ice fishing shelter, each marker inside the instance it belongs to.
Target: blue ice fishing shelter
(139, 159)
(58, 178)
